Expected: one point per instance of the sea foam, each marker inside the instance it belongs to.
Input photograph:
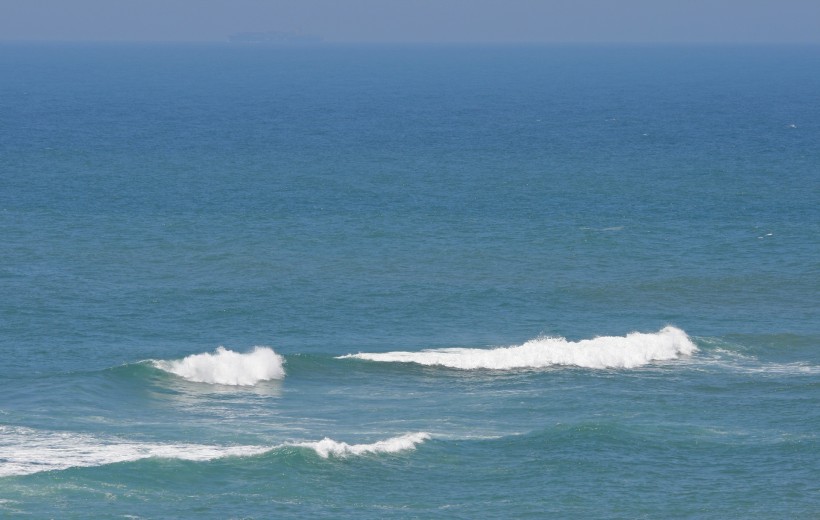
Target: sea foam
(327, 447)
(630, 351)
(26, 451)
(226, 367)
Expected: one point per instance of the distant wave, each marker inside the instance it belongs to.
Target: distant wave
(226, 367)
(630, 351)
(27, 451)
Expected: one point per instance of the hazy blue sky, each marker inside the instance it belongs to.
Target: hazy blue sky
(417, 20)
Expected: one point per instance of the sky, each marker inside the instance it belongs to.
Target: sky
(417, 21)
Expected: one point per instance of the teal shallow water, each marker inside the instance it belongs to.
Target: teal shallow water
(157, 202)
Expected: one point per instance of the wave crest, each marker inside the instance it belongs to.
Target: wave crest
(630, 351)
(226, 367)
(327, 447)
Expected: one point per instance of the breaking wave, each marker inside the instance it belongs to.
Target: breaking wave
(26, 451)
(226, 367)
(327, 447)
(630, 351)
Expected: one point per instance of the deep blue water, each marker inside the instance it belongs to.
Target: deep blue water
(160, 201)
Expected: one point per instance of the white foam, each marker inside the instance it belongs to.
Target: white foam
(630, 351)
(226, 367)
(24, 451)
(327, 447)
(724, 359)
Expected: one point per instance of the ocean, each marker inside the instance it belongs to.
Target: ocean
(258, 281)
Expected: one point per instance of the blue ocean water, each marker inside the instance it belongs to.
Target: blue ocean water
(409, 282)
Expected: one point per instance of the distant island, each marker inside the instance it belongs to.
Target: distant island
(274, 37)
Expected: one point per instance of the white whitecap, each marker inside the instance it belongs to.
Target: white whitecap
(328, 447)
(630, 351)
(226, 367)
(25, 451)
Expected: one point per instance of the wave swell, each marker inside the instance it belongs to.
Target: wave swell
(26, 451)
(630, 351)
(226, 367)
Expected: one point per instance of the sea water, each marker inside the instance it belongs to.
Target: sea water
(409, 282)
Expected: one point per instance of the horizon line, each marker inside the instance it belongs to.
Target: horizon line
(320, 43)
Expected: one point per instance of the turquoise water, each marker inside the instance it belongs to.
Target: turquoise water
(484, 282)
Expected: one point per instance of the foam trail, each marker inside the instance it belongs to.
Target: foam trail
(226, 367)
(327, 447)
(630, 351)
(25, 451)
